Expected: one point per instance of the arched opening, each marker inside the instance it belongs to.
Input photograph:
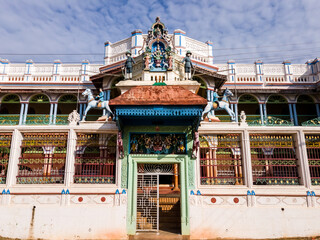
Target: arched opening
(306, 109)
(66, 104)
(39, 110)
(10, 110)
(203, 87)
(250, 105)
(115, 92)
(277, 106)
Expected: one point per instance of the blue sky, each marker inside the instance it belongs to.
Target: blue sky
(243, 30)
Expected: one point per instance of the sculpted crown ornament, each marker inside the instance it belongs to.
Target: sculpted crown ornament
(74, 118)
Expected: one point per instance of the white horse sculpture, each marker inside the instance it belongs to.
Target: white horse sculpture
(92, 103)
(223, 104)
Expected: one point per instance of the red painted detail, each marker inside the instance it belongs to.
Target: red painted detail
(236, 200)
(213, 200)
(80, 199)
(103, 199)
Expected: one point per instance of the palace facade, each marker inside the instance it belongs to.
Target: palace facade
(233, 151)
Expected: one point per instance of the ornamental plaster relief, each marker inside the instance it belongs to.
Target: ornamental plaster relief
(295, 201)
(48, 199)
(299, 69)
(273, 69)
(23, 199)
(268, 200)
(245, 68)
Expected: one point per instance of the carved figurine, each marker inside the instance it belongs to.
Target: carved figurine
(129, 65)
(187, 64)
(196, 145)
(120, 145)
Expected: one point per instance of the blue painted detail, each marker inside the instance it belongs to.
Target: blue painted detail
(135, 41)
(180, 51)
(248, 193)
(28, 63)
(259, 68)
(179, 40)
(198, 192)
(159, 111)
(135, 51)
(63, 191)
(231, 63)
(179, 34)
(134, 34)
(4, 63)
(85, 63)
(8, 191)
(67, 192)
(28, 69)
(260, 79)
(313, 193)
(3, 191)
(106, 44)
(287, 63)
(308, 193)
(123, 191)
(253, 193)
(117, 192)
(191, 192)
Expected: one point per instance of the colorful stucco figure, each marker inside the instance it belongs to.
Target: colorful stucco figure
(129, 65)
(187, 64)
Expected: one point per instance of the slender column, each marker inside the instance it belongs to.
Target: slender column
(295, 114)
(232, 107)
(236, 111)
(318, 109)
(55, 113)
(261, 114)
(304, 172)
(25, 113)
(21, 114)
(265, 110)
(211, 95)
(84, 108)
(208, 95)
(80, 111)
(176, 177)
(291, 114)
(71, 153)
(51, 112)
(108, 92)
(247, 166)
(15, 151)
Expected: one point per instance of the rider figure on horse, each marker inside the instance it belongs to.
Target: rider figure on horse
(100, 97)
(215, 99)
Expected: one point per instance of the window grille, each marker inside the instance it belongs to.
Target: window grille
(42, 159)
(313, 151)
(221, 160)
(5, 143)
(274, 160)
(95, 158)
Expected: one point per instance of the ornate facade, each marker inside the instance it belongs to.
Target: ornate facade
(231, 151)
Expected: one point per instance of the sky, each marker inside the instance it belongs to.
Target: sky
(241, 30)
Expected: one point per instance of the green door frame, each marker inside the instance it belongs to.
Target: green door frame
(133, 161)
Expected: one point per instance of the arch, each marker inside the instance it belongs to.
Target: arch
(10, 104)
(39, 104)
(66, 104)
(277, 106)
(202, 91)
(39, 98)
(10, 98)
(306, 108)
(250, 105)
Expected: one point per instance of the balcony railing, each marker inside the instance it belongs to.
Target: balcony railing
(9, 119)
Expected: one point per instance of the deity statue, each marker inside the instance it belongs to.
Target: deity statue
(157, 55)
(100, 96)
(147, 55)
(187, 65)
(129, 65)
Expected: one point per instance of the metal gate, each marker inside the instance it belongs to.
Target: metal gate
(148, 195)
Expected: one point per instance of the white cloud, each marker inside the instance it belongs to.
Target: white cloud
(83, 26)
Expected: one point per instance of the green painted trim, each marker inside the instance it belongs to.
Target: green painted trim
(133, 160)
